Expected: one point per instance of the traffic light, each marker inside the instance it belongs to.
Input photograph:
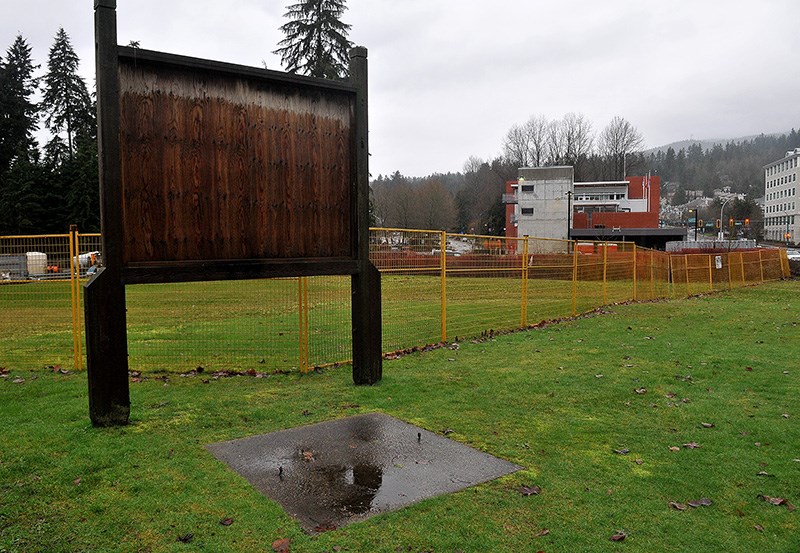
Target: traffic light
(730, 222)
(747, 222)
(718, 224)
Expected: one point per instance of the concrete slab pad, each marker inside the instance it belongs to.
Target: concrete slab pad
(329, 474)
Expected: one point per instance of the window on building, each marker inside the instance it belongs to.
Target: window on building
(526, 210)
(527, 188)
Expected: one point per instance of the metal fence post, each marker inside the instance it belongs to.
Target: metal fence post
(605, 273)
(730, 271)
(710, 274)
(686, 270)
(741, 263)
(74, 281)
(524, 307)
(785, 270)
(574, 277)
(443, 280)
(635, 291)
(302, 309)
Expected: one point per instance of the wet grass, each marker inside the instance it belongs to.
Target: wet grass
(557, 400)
(254, 324)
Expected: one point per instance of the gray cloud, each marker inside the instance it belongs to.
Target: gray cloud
(448, 77)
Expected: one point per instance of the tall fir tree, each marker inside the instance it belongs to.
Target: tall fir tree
(66, 99)
(18, 113)
(20, 178)
(316, 42)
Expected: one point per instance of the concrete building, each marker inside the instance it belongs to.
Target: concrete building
(781, 202)
(545, 202)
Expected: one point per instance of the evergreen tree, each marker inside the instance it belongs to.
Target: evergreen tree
(17, 110)
(66, 99)
(20, 175)
(316, 41)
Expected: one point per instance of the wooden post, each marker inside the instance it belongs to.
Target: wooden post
(366, 283)
(106, 351)
(104, 295)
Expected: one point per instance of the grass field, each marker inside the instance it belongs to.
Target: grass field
(558, 400)
(254, 324)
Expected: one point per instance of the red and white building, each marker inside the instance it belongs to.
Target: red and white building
(545, 202)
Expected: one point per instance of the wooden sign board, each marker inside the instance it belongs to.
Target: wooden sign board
(209, 171)
(221, 162)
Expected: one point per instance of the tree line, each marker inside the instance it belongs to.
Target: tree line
(471, 200)
(45, 189)
(738, 165)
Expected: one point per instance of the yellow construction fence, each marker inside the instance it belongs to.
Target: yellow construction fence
(436, 287)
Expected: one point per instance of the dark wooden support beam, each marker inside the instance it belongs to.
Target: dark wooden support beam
(366, 284)
(366, 306)
(106, 350)
(104, 295)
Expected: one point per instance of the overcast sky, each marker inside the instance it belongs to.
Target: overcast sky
(449, 77)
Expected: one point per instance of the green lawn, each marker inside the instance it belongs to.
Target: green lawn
(254, 324)
(558, 400)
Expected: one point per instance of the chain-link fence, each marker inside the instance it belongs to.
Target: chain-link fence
(436, 287)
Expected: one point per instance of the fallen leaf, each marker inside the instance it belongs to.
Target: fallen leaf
(759, 527)
(707, 424)
(227, 521)
(777, 501)
(187, 538)
(529, 490)
(619, 536)
(447, 431)
(785, 415)
(670, 395)
(692, 445)
(324, 527)
(308, 456)
(750, 369)
(542, 532)
(641, 390)
(623, 451)
(638, 461)
(281, 545)
(77, 481)
(677, 506)
(674, 448)
(18, 380)
(764, 473)
(703, 502)
(598, 376)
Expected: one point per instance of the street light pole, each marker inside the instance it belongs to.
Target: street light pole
(721, 224)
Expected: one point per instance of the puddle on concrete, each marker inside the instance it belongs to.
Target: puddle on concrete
(330, 474)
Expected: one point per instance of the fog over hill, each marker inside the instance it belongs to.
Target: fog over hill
(706, 143)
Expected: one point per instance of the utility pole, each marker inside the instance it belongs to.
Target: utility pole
(569, 213)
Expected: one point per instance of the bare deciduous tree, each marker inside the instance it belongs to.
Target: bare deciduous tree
(617, 140)
(525, 145)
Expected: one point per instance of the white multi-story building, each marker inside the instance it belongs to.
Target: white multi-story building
(781, 202)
